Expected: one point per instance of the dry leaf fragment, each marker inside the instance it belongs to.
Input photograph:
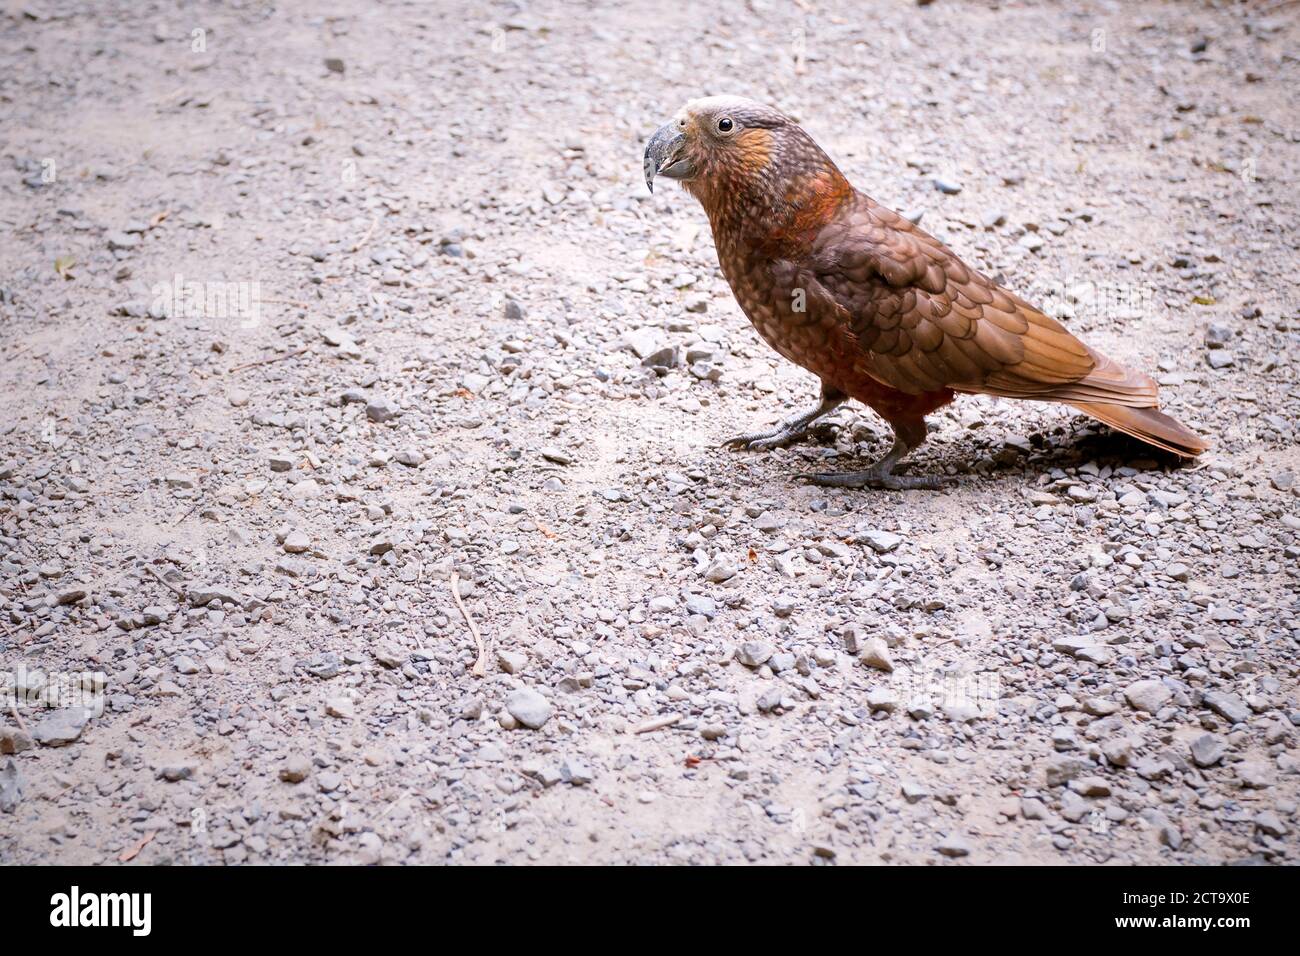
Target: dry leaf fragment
(131, 852)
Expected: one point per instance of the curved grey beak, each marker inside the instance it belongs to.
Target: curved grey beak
(663, 156)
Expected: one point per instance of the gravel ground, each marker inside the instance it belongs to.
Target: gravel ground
(313, 324)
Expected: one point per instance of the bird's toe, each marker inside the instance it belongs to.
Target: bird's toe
(759, 442)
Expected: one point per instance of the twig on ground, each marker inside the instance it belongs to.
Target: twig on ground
(267, 361)
(366, 238)
(18, 718)
(179, 592)
(193, 508)
(480, 665)
(301, 305)
(657, 723)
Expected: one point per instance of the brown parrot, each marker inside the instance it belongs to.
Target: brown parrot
(876, 308)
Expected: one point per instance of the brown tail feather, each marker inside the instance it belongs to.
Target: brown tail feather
(1149, 424)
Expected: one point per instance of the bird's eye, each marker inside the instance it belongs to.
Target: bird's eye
(725, 125)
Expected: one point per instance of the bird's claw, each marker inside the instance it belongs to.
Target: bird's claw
(763, 441)
(878, 479)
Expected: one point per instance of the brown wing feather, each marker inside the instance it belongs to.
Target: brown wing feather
(925, 320)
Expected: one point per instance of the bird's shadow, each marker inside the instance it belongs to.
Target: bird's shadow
(1063, 447)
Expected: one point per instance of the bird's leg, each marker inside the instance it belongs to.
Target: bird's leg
(792, 429)
(907, 436)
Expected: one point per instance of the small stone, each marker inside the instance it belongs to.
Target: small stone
(295, 769)
(720, 570)
(305, 490)
(175, 767)
(1075, 646)
(1255, 774)
(1119, 752)
(961, 711)
(784, 606)
(340, 707)
(1073, 807)
(882, 699)
(670, 356)
(754, 653)
(1032, 809)
(913, 792)
(1269, 822)
(875, 653)
(512, 662)
(1217, 336)
(881, 542)
(381, 410)
(646, 342)
(325, 665)
(1228, 706)
(1220, 359)
(14, 741)
(1090, 786)
(770, 699)
(1170, 835)
(296, 542)
(1098, 707)
(1207, 750)
(855, 638)
(529, 707)
(122, 240)
(1060, 770)
(60, 728)
(783, 661)
(920, 709)
(1147, 695)
(11, 786)
(576, 771)
(954, 845)
(201, 595)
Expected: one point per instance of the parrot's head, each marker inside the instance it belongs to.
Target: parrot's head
(737, 156)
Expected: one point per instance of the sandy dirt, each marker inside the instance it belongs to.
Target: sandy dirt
(311, 317)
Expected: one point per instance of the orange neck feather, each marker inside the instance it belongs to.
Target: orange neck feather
(772, 203)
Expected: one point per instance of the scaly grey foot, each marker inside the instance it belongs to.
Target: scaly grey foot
(880, 475)
(762, 441)
(791, 430)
